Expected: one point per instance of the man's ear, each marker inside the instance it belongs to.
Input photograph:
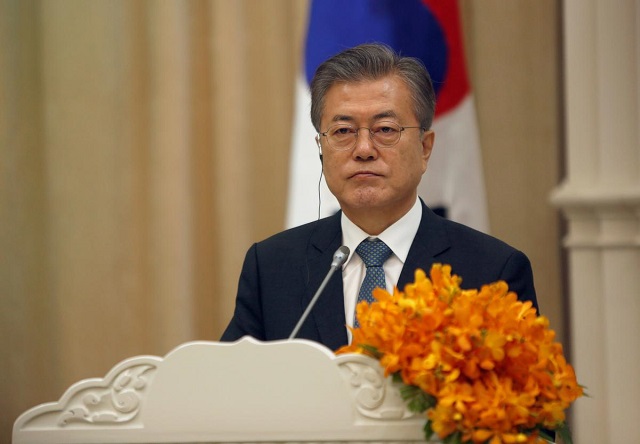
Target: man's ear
(428, 139)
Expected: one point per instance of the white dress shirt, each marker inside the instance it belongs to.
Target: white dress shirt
(398, 238)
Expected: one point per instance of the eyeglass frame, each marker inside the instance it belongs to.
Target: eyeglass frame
(400, 131)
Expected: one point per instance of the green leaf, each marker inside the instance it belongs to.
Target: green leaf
(564, 433)
(428, 431)
(417, 400)
(454, 438)
(584, 391)
(397, 378)
(371, 350)
(409, 391)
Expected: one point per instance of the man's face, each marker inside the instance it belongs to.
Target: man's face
(369, 181)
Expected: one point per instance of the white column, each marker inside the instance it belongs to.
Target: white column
(600, 197)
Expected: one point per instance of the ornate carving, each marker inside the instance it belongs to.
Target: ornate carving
(117, 403)
(376, 397)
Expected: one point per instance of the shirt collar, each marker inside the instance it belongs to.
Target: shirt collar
(398, 236)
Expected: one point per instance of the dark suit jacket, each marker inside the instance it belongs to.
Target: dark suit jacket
(281, 274)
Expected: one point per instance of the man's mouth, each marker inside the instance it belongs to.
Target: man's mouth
(364, 174)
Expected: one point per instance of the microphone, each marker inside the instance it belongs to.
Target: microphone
(339, 258)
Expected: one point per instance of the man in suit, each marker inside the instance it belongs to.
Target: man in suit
(373, 112)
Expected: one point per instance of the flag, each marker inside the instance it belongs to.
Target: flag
(430, 30)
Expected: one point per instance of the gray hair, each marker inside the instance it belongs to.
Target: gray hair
(373, 61)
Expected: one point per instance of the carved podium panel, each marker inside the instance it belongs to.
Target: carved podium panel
(247, 391)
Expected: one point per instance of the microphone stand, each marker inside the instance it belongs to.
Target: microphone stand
(339, 258)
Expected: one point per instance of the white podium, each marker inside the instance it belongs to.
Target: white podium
(242, 392)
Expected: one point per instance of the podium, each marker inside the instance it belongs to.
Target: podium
(242, 392)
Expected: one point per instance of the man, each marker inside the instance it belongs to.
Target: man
(373, 112)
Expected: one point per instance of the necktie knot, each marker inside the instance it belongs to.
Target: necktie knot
(373, 253)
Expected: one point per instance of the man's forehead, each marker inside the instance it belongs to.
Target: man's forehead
(367, 81)
(370, 99)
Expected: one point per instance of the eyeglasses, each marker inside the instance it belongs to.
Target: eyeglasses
(383, 134)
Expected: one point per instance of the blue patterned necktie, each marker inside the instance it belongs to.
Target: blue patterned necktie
(373, 253)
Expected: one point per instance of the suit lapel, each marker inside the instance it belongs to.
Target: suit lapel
(328, 313)
(431, 240)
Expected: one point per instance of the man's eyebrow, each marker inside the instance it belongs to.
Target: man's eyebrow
(384, 114)
(342, 118)
(381, 115)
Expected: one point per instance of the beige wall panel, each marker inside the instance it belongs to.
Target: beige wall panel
(26, 324)
(232, 170)
(88, 186)
(171, 197)
(513, 51)
(255, 54)
(204, 257)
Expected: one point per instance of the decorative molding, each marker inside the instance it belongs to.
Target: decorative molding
(376, 397)
(569, 195)
(603, 218)
(114, 401)
(117, 403)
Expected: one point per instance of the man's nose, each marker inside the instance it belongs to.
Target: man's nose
(364, 145)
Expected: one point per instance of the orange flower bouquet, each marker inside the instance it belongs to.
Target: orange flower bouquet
(482, 364)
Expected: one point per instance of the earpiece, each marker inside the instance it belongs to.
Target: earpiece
(319, 148)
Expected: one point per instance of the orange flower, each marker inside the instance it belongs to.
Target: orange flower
(488, 359)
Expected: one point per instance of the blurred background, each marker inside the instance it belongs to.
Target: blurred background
(145, 145)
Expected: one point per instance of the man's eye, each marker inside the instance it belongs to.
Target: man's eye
(342, 131)
(385, 130)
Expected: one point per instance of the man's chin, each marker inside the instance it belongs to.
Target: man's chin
(373, 201)
(364, 203)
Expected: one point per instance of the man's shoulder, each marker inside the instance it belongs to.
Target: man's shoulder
(463, 234)
(460, 236)
(300, 236)
(478, 257)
